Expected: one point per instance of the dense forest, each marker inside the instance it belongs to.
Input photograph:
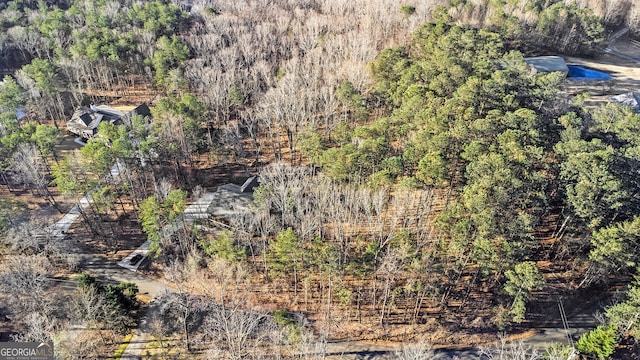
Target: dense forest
(418, 182)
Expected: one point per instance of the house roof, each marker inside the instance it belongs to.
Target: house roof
(86, 119)
(547, 64)
(142, 110)
(250, 184)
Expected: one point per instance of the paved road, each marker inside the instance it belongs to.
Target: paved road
(578, 324)
(141, 337)
(121, 272)
(356, 351)
(106, 270)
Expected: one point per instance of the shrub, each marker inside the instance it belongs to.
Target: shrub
(408, 10)
(600, 342)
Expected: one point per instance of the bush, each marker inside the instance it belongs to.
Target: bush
(600, 342)
(85, 280)
(283, 317)
(290, 327)
(223, 246)
(408, 10)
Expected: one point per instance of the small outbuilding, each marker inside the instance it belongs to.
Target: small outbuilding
(629, 99)
(142, 110)
(246, 188)
(546, 64)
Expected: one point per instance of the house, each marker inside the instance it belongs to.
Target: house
(85, 120)
(545, 64)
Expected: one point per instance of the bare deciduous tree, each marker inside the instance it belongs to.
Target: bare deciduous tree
(90, 306)
(38, 327)
(421, 350)
(510, 351)
(28, 163)
(239, 330)
(285, 185)
(311, 347)
(26, 278)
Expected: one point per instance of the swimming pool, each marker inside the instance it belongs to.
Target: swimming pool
(578, 72)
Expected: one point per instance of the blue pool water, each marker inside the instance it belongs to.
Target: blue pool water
(582, 73)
